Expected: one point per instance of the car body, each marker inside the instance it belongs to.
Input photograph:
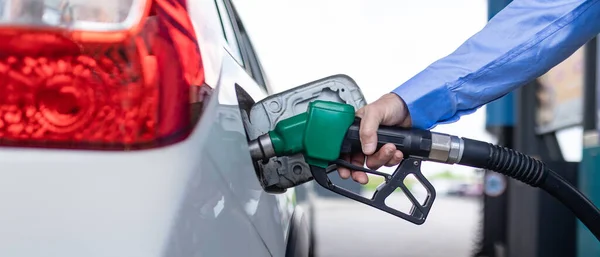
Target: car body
(195, 197)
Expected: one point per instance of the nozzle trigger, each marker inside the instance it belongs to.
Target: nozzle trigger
(418, 213)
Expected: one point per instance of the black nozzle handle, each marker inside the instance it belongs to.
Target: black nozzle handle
(412, 142)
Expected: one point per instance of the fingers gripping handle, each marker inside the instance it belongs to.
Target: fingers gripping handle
(418, 143)
(419, 211)
(412, 142)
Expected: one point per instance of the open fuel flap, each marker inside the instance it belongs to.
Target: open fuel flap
(277, 173)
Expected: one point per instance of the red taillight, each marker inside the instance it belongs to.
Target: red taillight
(133, 93)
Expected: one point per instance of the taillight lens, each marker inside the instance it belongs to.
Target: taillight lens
(88, 15)
(60, 88)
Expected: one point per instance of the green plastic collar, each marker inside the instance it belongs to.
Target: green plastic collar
(326, 126)
(317, 133)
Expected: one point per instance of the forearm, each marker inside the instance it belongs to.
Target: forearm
(519, 44)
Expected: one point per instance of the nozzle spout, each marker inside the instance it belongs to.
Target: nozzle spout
(261, 148)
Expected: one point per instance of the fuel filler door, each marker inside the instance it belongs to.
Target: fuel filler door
(277, 173)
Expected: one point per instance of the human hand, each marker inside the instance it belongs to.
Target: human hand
(388, 110)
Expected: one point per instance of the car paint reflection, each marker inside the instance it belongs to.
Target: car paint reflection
(211, 221)
(270, 214)
(224, 202)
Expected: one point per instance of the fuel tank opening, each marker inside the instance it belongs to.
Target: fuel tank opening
(261, 148)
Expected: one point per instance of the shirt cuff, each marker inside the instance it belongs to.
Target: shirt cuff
(427, 105)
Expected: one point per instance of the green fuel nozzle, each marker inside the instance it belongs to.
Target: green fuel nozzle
(329, 129)
(317, 134)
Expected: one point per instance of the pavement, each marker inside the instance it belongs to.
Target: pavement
(348, 228)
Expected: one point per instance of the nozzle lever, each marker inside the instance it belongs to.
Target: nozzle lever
(419, 211)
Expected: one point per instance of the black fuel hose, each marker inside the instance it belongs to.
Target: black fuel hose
(437, 147)
(534, 173)
(468, 152)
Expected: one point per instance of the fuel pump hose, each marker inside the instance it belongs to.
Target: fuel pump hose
(450, 149)
(534, 173)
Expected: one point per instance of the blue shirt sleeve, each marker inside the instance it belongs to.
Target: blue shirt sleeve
(520, 43)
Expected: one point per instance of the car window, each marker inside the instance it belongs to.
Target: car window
(253, 66)
(229, 31)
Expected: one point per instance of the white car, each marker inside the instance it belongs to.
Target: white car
(121, 134)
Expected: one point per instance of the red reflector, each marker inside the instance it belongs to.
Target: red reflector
(76, 98)
(133, 94)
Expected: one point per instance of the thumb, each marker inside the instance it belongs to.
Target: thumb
(370, 120)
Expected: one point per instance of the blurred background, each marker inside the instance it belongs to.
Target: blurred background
(381, 44)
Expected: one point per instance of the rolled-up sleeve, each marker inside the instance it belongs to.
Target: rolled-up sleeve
(521, 43)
